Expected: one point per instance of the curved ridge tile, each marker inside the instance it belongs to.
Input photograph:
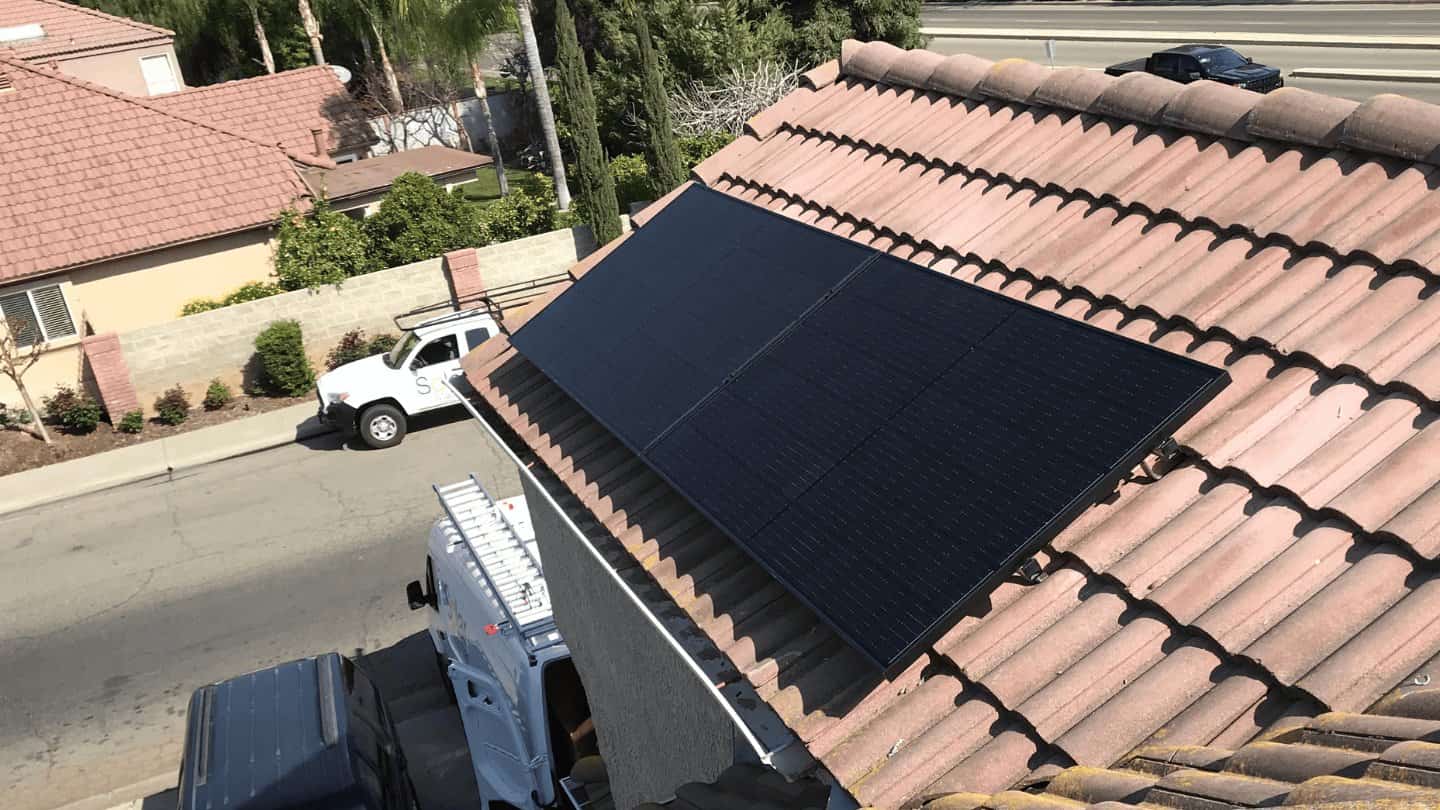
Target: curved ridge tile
(1137, 97)
(1395, 125)
(1300, 116)
(1013, 80)
(912, 68)
(1212, 108)
(868, 60)
(821, 76)
(958, 75)
(1073, 88)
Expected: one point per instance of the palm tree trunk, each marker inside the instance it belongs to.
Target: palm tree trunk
(392, 84)
(312, 30)
(265, 55)
(490, 136)
(542, 103)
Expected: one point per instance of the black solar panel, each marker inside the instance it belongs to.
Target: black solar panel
(885, 440)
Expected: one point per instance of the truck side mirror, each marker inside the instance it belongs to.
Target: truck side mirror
(417, 597)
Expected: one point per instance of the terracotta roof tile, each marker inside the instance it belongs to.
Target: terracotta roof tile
(281, 108)
(165, 179)
(72, 30)
(1282, 567)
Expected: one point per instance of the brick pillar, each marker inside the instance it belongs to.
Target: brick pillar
(462, 267)
(112, 374)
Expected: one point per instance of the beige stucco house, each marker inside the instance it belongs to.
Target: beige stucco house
(114, 52)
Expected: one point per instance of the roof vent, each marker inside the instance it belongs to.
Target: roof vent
(16, 34)
(5, 84)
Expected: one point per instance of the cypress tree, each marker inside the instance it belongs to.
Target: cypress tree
(597, 203)
(662, 151)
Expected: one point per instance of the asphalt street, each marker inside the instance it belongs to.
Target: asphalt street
(115, 606)
(1300, 63)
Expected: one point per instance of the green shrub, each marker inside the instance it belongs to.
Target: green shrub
(173, 406)
(217, 396)
(418, 220)
(199, 305)
(528, 210)
(325, 247)
(284, 368)
(253, 291)
(697, 148)
(632, 180)
(74, 411)
(381, 344)
(132, 422)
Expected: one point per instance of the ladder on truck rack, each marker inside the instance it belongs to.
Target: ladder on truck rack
(507, 566)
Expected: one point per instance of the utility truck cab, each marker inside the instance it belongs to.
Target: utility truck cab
(376, 396)
(526, 717)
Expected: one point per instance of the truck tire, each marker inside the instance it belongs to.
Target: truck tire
(382, 425)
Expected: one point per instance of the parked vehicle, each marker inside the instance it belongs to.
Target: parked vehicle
(1190, 63)
(376, 397)
(312, 734)
(526, 716)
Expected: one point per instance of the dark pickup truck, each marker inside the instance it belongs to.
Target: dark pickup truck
(1190, 63)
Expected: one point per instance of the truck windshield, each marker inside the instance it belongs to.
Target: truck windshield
(397, 354)
(1222, 59)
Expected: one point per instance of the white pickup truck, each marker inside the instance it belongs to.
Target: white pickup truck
(375, 397)
(526, 717)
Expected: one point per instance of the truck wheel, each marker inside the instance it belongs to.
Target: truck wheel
(382, 425)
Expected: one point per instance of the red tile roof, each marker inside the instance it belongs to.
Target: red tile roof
(282, 108)
(89, 174)
(72, 30)
(1284, 566)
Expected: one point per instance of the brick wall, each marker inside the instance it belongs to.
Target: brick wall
(191, 351)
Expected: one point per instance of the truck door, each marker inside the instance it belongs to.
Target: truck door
(505, 769)
(435, 362)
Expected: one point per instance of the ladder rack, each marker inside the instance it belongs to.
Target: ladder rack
(508, 565)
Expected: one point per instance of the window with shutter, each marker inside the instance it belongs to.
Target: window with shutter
(37, 314)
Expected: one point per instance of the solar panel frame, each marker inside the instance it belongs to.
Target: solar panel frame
(1101, 484)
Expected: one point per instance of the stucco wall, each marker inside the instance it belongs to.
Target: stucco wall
(151, 288)
(120, 70)
(658, 725)
(192, 350)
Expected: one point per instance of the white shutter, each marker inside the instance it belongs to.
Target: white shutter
(54, 315)
(20, 318)
(159, 75)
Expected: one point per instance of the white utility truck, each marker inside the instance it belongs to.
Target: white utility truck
(526, 717)
(375, 397)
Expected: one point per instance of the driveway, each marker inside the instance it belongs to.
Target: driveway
(115, 606)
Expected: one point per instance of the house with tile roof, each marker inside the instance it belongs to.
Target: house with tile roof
(119, 53)
(306, 110)
(117, 212)
(1252, 619)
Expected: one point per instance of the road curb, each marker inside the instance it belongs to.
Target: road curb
(129, 797)
(1367, 74)
(154, 459)
(1171, 37)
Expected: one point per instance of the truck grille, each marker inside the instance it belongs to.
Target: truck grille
(1266, 85)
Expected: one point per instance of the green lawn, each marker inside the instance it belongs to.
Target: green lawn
(486, 189)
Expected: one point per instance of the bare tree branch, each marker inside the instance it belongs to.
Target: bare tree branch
(726, 104)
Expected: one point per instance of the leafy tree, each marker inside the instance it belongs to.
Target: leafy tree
(325, 247)
(820, 26)
(663, 153)
(418, 220)
(632, 180)
(18, 354)
(592, 170)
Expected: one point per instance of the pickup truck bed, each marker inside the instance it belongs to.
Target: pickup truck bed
(1132, 66)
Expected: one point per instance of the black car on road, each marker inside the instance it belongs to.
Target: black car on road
(1190, 63)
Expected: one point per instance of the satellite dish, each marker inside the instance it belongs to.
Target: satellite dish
(342, 73)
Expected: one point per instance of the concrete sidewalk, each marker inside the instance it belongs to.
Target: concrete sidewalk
(80, 476)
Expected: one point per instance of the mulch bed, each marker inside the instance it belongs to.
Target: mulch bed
(20, 450)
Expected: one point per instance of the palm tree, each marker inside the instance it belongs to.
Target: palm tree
(312, 30)
(542, 102)
(460, 27)
(377, 14)
(253, 6)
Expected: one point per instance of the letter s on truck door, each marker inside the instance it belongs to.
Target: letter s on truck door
(435, 362)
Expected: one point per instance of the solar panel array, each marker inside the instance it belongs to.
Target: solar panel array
(885, 440)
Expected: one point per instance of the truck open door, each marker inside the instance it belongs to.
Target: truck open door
(505, 769)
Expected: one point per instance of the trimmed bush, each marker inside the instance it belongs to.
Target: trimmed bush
(217, 396)
(284, 368)
(527, 211)
(325, 247)
(132, 422)
(173, 406)
(253, 291)
(74, 411)
(632, 180)
(418, 220)
(352, 346)
(380, 344)
(697, 148)
(199, 305)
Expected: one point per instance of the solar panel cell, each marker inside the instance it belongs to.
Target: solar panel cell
(885, 440)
